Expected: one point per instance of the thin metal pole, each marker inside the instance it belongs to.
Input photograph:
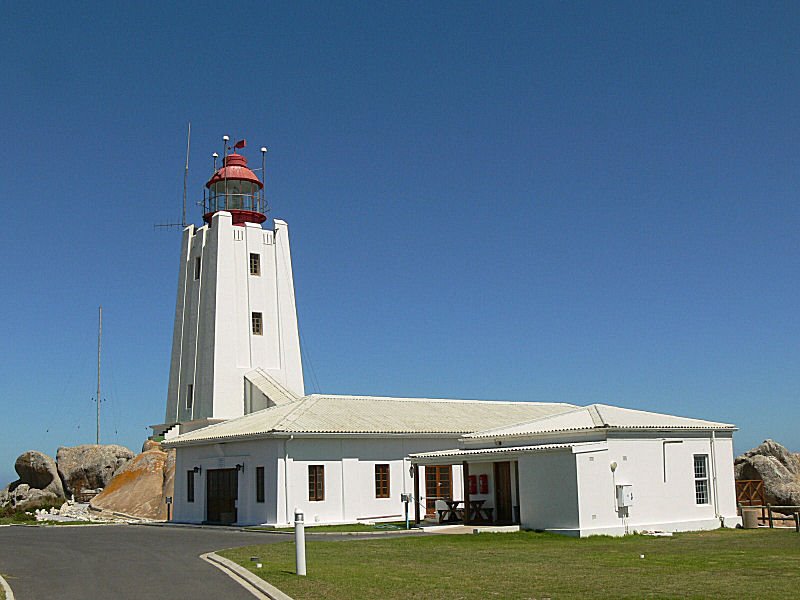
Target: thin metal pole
(99, 347)
(186, 173)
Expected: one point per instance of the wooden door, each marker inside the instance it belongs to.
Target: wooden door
(438, 486)
(222, 490)
(502, 492)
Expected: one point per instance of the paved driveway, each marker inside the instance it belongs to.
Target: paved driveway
(120, 562)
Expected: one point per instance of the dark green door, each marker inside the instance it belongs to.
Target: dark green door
(222, 490)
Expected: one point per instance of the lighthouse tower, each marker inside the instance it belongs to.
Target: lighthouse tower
(235, 346)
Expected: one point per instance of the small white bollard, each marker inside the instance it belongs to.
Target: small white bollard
(300, 542)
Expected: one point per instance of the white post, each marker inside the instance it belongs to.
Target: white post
(300, 541)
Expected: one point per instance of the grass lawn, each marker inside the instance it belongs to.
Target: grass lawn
(716, 564)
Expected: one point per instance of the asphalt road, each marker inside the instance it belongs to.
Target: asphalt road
(118, 562)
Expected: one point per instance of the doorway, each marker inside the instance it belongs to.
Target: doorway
(222, 491)
(502, 492)
(438, 486)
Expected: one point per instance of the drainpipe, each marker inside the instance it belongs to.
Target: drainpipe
(714, 477)
(286, 477)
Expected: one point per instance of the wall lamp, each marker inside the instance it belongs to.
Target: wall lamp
(240, 467)
(197, 469)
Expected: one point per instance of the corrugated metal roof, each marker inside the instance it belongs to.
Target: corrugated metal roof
(457, 453)
(597, 416)
(270, 387)
(375, 415)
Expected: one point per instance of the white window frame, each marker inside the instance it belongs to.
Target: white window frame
(702, 489)
(255, 261)
(257, 323)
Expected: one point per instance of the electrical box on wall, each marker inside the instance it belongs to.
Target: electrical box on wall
(624, 495)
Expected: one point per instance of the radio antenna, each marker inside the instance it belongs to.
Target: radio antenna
(186, 173)
(183, 223)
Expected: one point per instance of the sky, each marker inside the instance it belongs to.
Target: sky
(533, 201)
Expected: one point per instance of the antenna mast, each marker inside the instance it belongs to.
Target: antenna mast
(182, 224)
(186, 173)
(99, 346)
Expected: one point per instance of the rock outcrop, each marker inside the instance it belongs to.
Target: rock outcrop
(38, 484)
(778, 468)
(39, 471)
(90, 466)
(140, 487)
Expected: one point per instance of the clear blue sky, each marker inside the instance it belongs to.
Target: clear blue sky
(593, 202)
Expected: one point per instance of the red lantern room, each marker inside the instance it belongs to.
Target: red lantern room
(236, 189)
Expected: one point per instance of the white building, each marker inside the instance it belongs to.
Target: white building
(339, 458)
(601, 470)
(251, 447)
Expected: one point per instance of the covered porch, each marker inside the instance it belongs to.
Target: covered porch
(489, 493)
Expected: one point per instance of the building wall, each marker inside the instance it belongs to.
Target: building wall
(548, 491)
(213, 344)
(349, 468)
(661, 471)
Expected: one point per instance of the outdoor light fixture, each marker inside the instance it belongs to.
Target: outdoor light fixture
(197, 469)
(240, 467)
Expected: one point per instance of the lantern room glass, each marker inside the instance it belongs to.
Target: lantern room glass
(234, 194)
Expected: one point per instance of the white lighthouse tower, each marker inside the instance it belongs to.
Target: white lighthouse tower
(235, 346)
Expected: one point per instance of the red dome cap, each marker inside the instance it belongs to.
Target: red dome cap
(234, 166)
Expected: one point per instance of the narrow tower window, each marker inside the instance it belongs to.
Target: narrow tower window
(258, 324)
(259, 484)
(197, 267)
(189, 396)
(255, 264)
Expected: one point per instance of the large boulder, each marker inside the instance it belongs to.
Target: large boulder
(151, 445)
(777, 467)
(90, 466)
(137, 490)
(39, 471)
(22, 496)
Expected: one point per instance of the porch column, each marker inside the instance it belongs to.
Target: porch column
(416, 493)
(465, 477)
(517, 517)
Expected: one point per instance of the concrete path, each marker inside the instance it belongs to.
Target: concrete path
(120, 561)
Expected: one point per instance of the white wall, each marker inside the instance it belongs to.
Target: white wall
(548, 491)
(213, 344)
(251, 454)
(349, 467)
(661, 471)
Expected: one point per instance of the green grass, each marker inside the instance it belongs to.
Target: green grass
(353, 527)
(716, 564)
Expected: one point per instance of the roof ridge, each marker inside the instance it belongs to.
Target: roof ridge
(304, 402)
(594, 413)
(488, 432)
(283, 389)
(459, 400)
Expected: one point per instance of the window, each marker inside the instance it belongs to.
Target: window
(255, 264)
(190, 486)
(258, 324)
(381, 481)
(197, 267)
(701, 478)
(259, 484)
(316, 483)
(189, 396)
